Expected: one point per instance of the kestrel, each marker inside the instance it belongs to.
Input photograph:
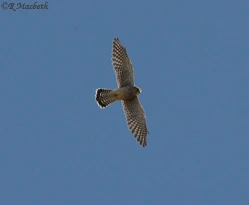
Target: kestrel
(127, 92)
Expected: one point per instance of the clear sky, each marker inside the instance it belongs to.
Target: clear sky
(191, 59)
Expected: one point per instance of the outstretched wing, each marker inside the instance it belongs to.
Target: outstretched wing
(136, 121)
(122, 64)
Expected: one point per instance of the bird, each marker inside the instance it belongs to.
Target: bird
(127, 92)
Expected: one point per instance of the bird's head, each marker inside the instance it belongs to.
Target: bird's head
(138, 90)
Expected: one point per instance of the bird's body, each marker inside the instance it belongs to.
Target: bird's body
(127, 92)
(123, 93)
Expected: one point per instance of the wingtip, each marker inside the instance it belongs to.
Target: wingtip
(143, 144)
(116, 40)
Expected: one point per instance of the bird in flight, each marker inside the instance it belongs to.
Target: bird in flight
(127, 92)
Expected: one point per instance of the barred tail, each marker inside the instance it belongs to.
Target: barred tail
(104, 98)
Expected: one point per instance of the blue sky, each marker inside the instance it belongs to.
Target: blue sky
(191, 61)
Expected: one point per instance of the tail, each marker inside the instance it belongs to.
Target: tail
(104, 98)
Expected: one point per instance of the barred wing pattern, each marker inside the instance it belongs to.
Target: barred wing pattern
(122, 65)
(136, 119)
